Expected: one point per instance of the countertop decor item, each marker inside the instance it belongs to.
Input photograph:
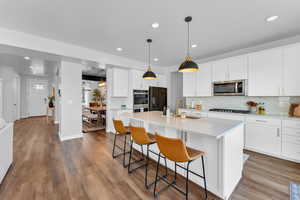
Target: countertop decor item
(297, 111)
(293, 106)
(198, 106)
(149, 74)
(188, 65)
(252, 106)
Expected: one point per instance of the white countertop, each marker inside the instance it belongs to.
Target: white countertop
(205, 126)
(275, 116)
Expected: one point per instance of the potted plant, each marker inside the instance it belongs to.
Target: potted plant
(51, 101)
(97, 96)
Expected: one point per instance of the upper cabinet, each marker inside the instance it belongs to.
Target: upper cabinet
(234, 68)
(120, 82)
(291, 70)
(189, 84)
(272, 72)
(204, 80)
(198, 83)
(138, 83)
(265, 73)
(238, 68)
(220, 70)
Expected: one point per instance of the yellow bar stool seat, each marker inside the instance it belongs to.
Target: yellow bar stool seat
(121, 131)
(141, 137)
(175, 150)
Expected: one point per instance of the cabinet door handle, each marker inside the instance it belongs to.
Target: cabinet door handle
(278, 132)
(261, 121)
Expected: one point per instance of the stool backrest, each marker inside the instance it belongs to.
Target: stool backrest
(119, 127)
(139, 135)
(172, 148)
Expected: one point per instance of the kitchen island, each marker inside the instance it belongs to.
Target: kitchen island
(222, 141)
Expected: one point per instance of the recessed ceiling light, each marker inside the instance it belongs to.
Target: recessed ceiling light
(119, 49)
(155, 25)
(194, 46)
(27, 58)
(272, 18)
(155, 59)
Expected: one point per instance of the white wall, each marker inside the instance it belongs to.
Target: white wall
(1, 98)
(70, 125)
(8, 76)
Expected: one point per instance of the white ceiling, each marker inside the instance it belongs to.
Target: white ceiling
(217, 26)
(27, 67)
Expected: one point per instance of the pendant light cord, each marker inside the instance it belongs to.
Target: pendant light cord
(149, 55)
(188, 40)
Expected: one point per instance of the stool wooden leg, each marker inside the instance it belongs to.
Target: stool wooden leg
(156, 176)
(204, 177)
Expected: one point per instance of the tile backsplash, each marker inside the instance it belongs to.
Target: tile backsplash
(273, 105)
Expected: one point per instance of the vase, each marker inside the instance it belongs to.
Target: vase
(51, 105)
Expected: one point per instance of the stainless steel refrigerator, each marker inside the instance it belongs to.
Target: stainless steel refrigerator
(157, 98)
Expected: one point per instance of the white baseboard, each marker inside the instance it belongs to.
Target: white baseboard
(64, 138)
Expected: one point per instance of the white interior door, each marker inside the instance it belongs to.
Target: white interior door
(16, 98)
(37, 99)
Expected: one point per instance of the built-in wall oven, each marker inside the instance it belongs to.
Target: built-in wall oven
(230, 88)
(140, 100)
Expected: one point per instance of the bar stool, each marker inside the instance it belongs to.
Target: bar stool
(141, 137)
(122, 131)
(175, 150)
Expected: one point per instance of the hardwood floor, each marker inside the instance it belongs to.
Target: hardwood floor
(45, 168)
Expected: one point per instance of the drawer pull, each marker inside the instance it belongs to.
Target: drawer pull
(261, 121)
(278, 132)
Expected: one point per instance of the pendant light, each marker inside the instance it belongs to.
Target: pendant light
(149, 74)
(188, 65)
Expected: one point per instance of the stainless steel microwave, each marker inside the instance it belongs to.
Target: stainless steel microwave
(230, 88)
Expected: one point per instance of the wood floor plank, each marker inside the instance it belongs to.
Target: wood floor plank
(83, 169)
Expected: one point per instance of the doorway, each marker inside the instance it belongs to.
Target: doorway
(37, 97)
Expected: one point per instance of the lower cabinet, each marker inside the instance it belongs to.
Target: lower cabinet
(291, 139)
(263, 138)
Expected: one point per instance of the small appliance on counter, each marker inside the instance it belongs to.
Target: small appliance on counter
(140, 101)
(157, 98)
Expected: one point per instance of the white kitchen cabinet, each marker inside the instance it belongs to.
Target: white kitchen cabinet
(220, 70)
(6, 149)
(138, 83)
(189, 84)
(291, 139)
(204, 75)
(226, 116)
(291, 70)
(237, 68)
(161, 81)
(234, 68)
(265, 73)
(263, 136)
(120, 82)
